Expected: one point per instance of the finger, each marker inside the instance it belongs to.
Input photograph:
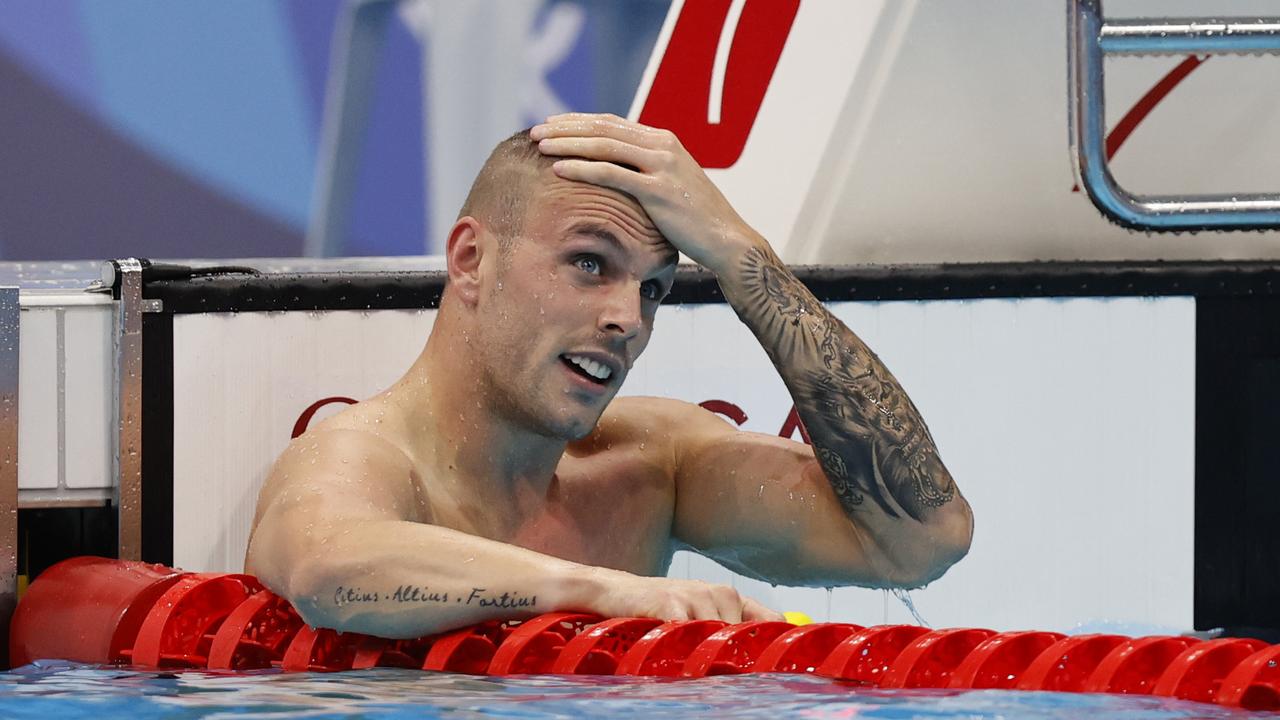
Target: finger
(603, 126)
(728, 604)
(601, 148)
(586, 116)
(605, 174)
(752, 610)
(608, 119)
(702, 605)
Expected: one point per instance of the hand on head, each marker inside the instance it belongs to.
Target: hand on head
(652, 166)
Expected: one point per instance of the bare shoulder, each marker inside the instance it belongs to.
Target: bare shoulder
(332, 444)
(658, 420)
(332, 461)
(367, 431)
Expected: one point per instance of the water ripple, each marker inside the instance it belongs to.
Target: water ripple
(47, 690)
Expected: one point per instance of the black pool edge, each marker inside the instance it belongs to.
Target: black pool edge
(418, 290)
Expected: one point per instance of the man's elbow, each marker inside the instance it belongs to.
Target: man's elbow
(297, 577)
(948, 537)
(309, 588)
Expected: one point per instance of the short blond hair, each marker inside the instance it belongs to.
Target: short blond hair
(500, 195)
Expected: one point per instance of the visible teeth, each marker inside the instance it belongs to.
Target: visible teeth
(596, 370)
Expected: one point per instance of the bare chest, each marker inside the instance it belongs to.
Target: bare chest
(608, 510)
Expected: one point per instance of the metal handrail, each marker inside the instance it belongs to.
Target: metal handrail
(1183, 36)
(1089, 40)
(128, 406)
(9, 346)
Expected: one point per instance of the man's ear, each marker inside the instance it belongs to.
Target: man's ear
(463, 253)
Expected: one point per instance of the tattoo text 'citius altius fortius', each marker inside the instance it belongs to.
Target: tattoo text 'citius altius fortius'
(421, 594)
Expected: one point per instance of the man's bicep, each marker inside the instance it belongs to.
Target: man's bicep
(761, 504)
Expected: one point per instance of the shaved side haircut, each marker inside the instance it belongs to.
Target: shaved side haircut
(500, 195)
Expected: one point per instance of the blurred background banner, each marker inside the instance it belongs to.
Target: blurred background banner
(194, 129)
(914, 131)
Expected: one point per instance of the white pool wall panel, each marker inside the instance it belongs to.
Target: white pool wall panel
(1067, 423)
(38, 448)
(240, 382)
(89, 397)
(65, 398)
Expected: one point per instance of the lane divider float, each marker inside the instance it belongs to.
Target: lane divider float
(105, 611)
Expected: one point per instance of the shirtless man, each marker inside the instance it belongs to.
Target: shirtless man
(497, 480)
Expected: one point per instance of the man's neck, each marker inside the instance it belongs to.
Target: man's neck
(457, 417)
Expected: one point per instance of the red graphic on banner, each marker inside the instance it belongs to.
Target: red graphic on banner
(304, 419)
(712, 78)
(725, 408)
(793, 423)
(790, 425)
(1146, 104)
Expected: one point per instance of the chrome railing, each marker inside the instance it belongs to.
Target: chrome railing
(1090, 38)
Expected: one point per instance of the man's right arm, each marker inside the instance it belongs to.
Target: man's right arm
(343, 533)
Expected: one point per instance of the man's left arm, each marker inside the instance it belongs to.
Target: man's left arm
(870, 439)
(873, 446)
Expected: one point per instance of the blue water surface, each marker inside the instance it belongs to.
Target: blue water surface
(57, 690)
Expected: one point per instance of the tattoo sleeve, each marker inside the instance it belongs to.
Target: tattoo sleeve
(869, 438)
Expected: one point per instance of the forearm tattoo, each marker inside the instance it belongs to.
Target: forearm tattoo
(866, 433)
(424, 595)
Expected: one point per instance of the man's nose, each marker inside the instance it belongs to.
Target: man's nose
(621, 313)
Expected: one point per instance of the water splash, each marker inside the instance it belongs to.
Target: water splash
(904, 597)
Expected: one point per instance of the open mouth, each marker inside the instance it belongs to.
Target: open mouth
(594, 372)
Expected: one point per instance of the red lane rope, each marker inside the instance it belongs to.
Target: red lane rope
(132, 613)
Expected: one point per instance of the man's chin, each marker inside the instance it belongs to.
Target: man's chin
(579, 425)
(575, 429)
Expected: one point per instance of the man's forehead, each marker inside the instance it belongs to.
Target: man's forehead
(660, 251)
(581, 208)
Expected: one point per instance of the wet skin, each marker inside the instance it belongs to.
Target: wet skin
(498, 467)
(585, 277)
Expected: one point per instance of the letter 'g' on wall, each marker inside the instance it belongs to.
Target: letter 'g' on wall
(714, 73)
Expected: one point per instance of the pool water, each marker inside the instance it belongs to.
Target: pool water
(48, 690)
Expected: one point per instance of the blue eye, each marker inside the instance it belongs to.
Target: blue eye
(587, 264)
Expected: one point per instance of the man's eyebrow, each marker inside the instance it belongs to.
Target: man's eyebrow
(598, 232)
(604, 234)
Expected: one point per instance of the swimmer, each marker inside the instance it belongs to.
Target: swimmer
(499, 478)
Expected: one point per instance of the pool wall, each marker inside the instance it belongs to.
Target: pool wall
(1061, 420)
(1068, 565)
